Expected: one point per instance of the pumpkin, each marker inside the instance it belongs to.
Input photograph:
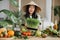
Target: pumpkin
(10, 33)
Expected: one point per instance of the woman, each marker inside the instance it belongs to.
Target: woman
(32, 10)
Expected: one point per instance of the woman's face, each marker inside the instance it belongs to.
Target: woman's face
(31, 9)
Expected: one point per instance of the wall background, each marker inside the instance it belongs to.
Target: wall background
(4, 5)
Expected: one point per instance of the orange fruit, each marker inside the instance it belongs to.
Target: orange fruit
(10, 33)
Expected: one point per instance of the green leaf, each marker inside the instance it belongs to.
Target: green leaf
(9, 21)
(4, 23)
(10, 15)
(14, 19)
(14, 3)
(16, 13)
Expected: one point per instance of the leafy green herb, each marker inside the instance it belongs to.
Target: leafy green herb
(33, 23)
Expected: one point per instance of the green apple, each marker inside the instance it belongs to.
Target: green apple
(23, 29)
(38, 33)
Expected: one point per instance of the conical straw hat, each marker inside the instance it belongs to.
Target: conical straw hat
(32, 3)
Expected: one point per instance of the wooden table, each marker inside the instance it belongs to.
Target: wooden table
(33, 38)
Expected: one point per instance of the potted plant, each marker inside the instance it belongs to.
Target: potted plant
(13, 17)
(32, 23)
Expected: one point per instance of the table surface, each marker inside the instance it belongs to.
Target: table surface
(33, 38)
